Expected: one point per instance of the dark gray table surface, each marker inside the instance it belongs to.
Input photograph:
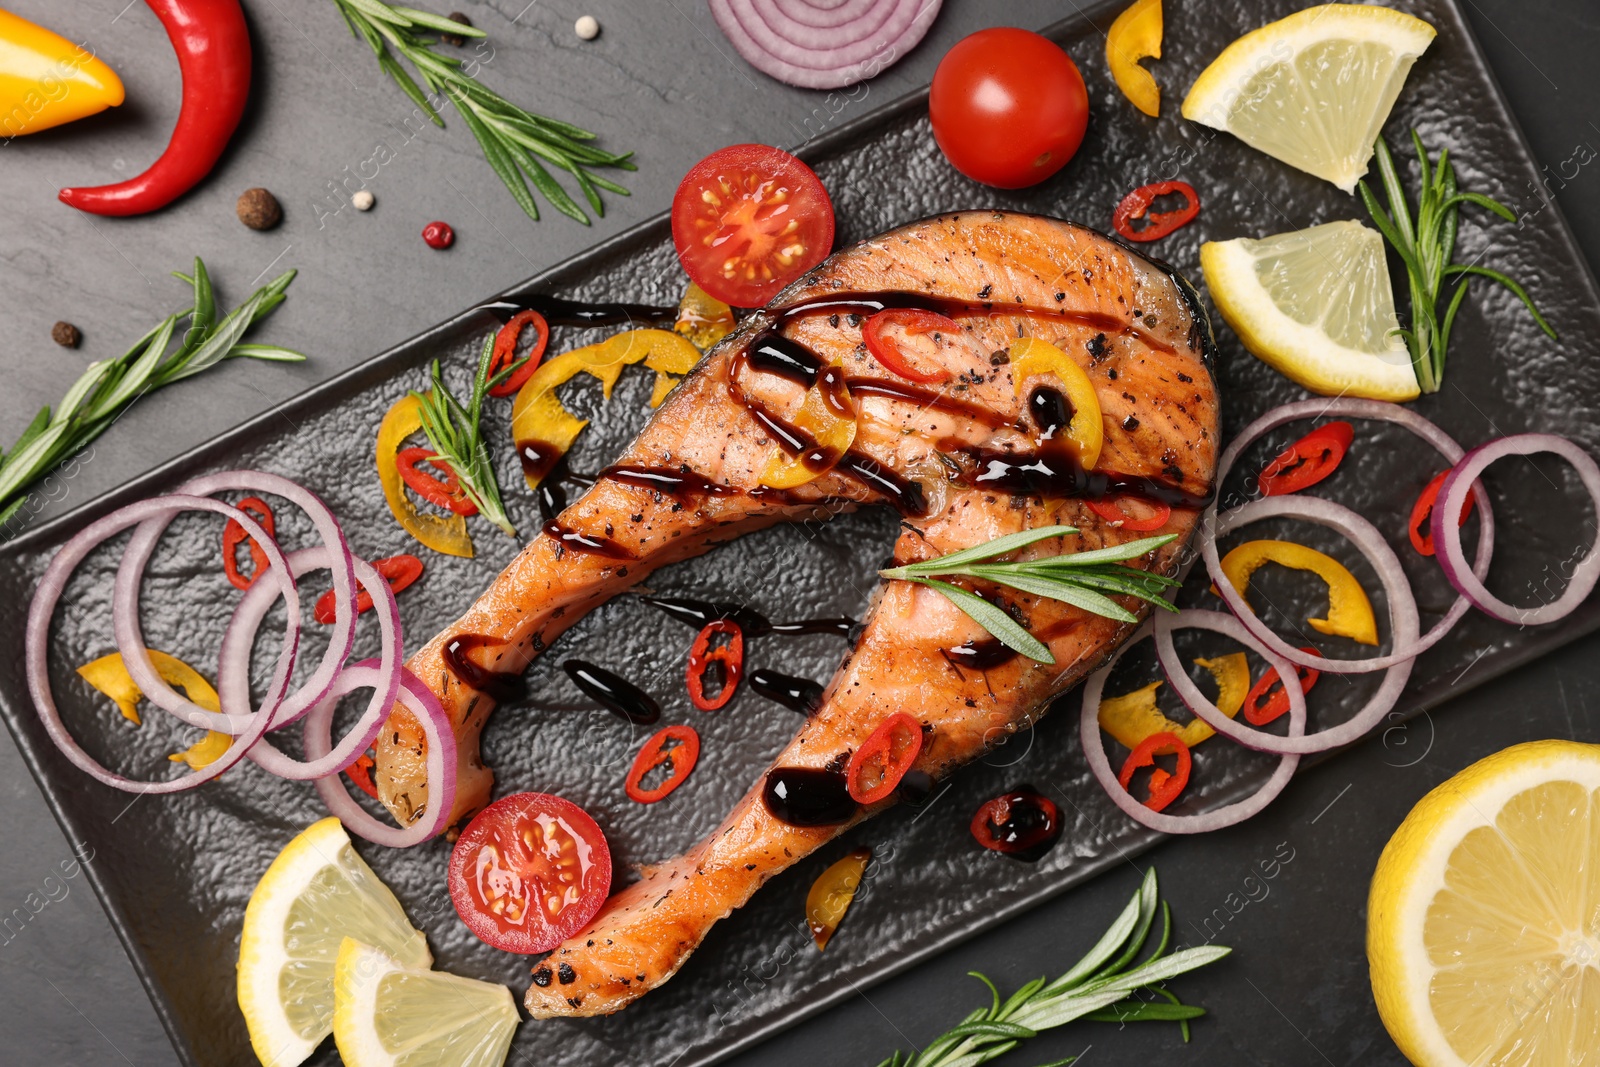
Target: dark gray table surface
(662, 81)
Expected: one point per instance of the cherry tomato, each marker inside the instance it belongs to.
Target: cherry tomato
(681, 759)
(1113, 512)
(445, 494)
(722, 663)
(1023, 824)
(399, 571)
(883, 331)
(233, 535)
(1307, 461)
(749, 219)
(1008, 107)
(1164, 787)
(883, 759)
(529, 872)
(1421, 528)
(1259, 714)
(505, 350)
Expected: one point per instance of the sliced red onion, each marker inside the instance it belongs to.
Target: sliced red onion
(823, 44)
(54, 582)
(1095, 749)
(1447, 535)
(441, 758)
(125, 604)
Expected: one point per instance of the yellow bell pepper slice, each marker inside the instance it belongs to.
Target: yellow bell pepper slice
(442, 533)
(702, 318)
(1134, 716)
(110, 676)
(833, 430)
(1134, 36)
(46, 80)
(537, 413)
(1349, 610)
(830, 895)
(1030, 357)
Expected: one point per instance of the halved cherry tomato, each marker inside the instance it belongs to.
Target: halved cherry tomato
(1421, 528)
(1111, 511)
(723, 662)
(1307, 461)
(883, 759)
(879, 334)
(1023, 824)
(360, 772)
(445, 494)
(505, 350)
(682, 756)
(1257, 714)
(1164, 787)
(749, 219)
(529, 872)
(233, 535)
(399, 571)
(1136, 205)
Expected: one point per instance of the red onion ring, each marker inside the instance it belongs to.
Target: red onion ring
(1447, 535)
(1095, 749)
(441, 758)
(816, 44)
(53, 583)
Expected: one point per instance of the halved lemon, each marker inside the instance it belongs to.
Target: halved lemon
(1316, 305)
(389, 1015)
(316, 893)
(1313, 89)
(1483, 926)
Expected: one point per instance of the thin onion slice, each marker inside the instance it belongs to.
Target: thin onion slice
(815, 44)
(1095, 749)
(1463, 477)
(53, 584)
(441, 758)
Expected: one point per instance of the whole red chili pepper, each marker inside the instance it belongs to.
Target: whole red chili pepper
(213, 46)
(1161, 223)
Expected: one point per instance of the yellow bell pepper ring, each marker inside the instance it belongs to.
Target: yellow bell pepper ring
(46, 80)
(442, 533)
(1349, 610)
(1133, 717)
(1086, 433)
(110, 675)
(1136, 35)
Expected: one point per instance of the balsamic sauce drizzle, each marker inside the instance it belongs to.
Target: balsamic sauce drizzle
(500, 686)
(614, 692)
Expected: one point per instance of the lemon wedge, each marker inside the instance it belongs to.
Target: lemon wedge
(389, 1015)
(315, 893)
(1313, 89)
(1483, 927)
(1316, 305)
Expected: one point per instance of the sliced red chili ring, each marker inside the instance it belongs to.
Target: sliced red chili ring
(1421, 528)
(360, 772)
(1258, 714)
(1023, 824)
(399, 571)
(505, 349)
(1164, 787)
(1111, 511)
(445, 494)
(233, 535)
(1307, 461)
(1157, 225)
(887, 351)
(716, 662)
(682, 756)
(875, 769)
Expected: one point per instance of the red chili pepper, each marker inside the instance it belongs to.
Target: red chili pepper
(399, 571)
(233, 535)
(360, 772)
(911, 320)
(1158, 225)
(438, 235)
(1257, 715)
(213, 46)
(682, 756)
(889, 752)
(1022, 824)
(1111, 511)
(1421, 528)
(727, 658)
(1307, 461)
(505, 348)
(1164, 787)
(445, 494)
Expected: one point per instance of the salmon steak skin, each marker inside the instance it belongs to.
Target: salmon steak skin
(746, 441)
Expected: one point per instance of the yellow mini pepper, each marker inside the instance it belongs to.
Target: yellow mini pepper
(1136, 35)
(1349, 610)
(110, 675)
(46, 80)
(1132, 717)
(1031, 356)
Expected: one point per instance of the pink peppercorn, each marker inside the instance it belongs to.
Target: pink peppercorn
(438, 235)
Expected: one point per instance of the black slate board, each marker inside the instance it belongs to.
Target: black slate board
(174, 873)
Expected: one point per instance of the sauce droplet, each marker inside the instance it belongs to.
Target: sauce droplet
(616, 693)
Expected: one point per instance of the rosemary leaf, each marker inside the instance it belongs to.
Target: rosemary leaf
(455, 431)
(1005, 629)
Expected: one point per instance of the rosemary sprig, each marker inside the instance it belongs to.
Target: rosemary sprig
(108, 387)
(1427, 245)
(1082, 579)
(513, 140)
(456, 433)
(1100, 986)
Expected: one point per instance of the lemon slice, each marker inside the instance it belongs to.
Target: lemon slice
(389, 1015)
(1483, 928)
(1316, 305)
(1313, 89)
(315, 893)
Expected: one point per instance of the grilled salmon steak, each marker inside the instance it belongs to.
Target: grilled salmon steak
(792, 418)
